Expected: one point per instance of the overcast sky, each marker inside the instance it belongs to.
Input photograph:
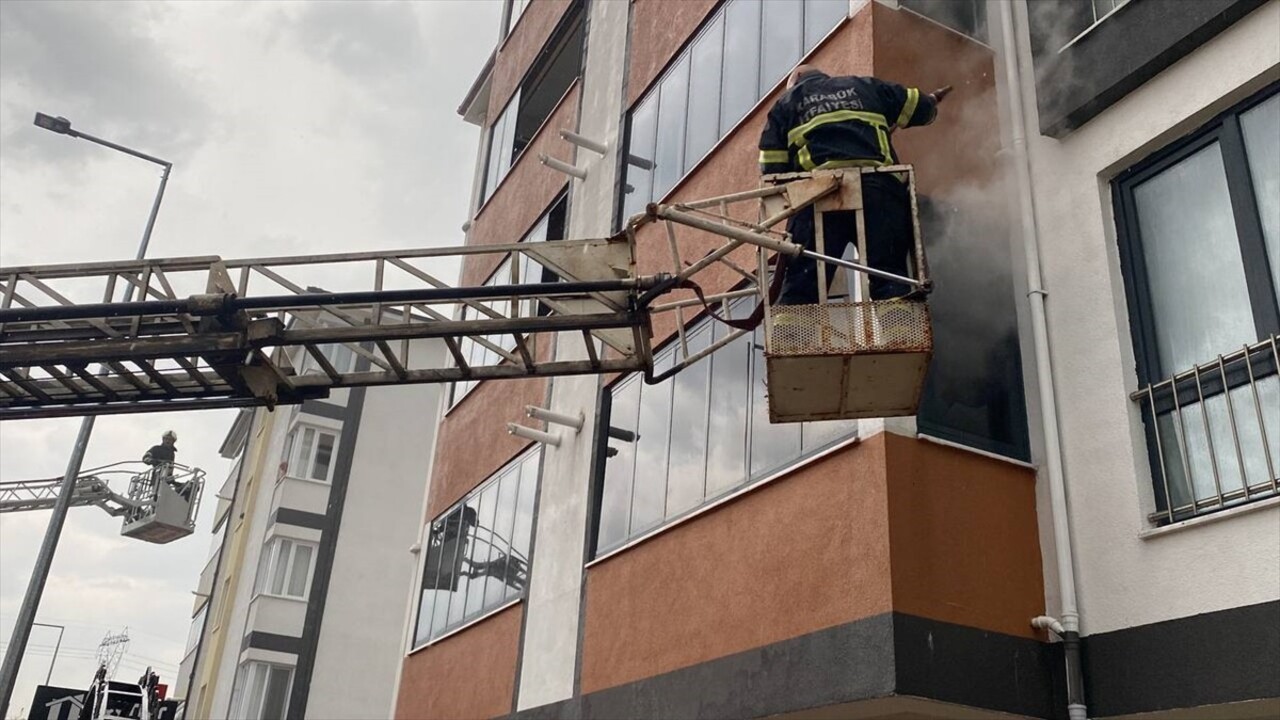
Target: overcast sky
(293, 128)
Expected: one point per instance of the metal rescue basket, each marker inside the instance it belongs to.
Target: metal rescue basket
(164, 502)
(859, 358)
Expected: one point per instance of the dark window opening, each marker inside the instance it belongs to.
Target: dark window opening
(967, 17)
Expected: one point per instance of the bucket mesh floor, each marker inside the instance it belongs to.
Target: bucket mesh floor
(849, 328)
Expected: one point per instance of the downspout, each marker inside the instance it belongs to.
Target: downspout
(1069, 627)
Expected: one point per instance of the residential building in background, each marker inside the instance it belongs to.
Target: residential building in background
(1113, 163)
(299, 610)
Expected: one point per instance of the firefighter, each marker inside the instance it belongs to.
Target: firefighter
(161, 458)
(825, 122)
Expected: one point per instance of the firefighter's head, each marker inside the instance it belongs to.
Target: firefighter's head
(169, 437)
(803, 72)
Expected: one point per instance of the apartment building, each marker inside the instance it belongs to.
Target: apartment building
(298, 611)
(1099, 436)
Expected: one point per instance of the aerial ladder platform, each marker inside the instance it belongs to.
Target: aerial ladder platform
(159, 506)
(208, 332)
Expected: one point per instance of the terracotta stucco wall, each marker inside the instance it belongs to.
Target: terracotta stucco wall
(659, 28)
(520, 49)
(963, 536)
(469, 675)
(795, 556)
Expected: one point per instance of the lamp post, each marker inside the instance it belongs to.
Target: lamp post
(44, 561)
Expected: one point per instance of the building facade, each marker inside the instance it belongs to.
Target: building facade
(298, 610)
(1099, 436)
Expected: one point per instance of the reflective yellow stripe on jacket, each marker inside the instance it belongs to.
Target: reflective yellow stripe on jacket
(769, 157)
(909, 109)
(799, 136)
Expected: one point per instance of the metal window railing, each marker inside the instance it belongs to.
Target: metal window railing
(1214, 433)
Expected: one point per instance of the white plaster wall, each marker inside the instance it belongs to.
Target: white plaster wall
(255, 531)
(555, 587)
(1126, 575)
(361, 635)
(277, 615)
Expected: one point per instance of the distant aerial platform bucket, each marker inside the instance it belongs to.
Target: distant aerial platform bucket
(841, 361)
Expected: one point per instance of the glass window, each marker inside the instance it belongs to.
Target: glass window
(285, 568)
(820, 16)
(1262, 144)
(1197, 230)
(262, 691)
(501, 148)
(704, 92)
(620, 465)
(694, 431)
(686, 482)
(713, 83)
(741, 62)
(1186, 211)
(672, 105)
(309, 453)
(782, 34)
(477, 553)
(640, 156)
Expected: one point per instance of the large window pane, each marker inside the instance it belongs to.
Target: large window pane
(453, 546)
(1194, 270)
(619, 469)
(431, 574)
(649, 499)
(686, 478)
(301, 568)
(324, 453)
(283, 549)
(466, 535)
(820, 16)
(257, 684)
(522, 536)
(771, 445)
(673, 101)
(704, 93)
(482, 549)
(727, 434)
(1261, 127)
(783, 34)
(640, 149)
(277, 694)
(741, 61)
(504, 520)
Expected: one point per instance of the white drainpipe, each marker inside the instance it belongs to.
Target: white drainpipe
(1068, 628)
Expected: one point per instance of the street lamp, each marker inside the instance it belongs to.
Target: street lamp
(44, 561)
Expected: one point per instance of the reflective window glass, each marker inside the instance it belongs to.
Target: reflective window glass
(688, 463)
(704, 93)
(1261, 129)
(741, 61)
(782, 35)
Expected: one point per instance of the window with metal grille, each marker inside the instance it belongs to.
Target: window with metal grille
(1199, 231)
(477, 552)
(668, 449)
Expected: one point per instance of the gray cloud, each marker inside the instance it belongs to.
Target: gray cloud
(98, 61)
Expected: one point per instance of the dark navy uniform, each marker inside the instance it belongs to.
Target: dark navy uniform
(823, 123)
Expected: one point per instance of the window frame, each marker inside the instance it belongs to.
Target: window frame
(293, 449)
(514, 466)
(1224, 130)
(725, 127)
(262, 583)
(240, 697)
(632, 536)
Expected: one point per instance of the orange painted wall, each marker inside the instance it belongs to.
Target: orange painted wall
(963, 536)
(793, 557)
(469, 675)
